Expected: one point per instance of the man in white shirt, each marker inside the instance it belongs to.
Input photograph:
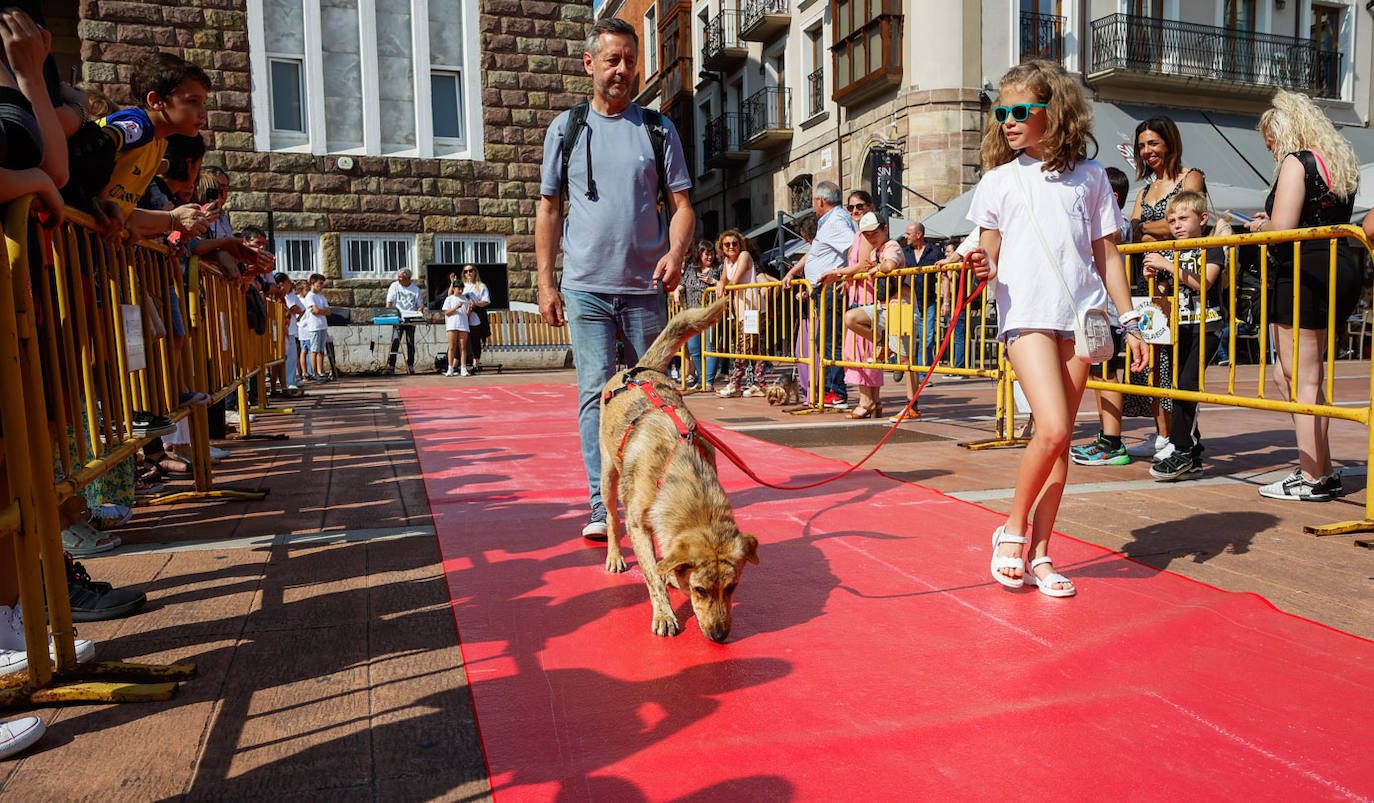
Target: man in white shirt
(829, 253)
(404, 296)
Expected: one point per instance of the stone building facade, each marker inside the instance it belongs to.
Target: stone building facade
(529, 54)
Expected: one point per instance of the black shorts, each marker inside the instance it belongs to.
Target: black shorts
(1314, 296)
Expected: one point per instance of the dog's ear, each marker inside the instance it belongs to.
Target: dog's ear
(673, 562)
(750, 546)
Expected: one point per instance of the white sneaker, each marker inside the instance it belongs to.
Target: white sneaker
(18, 734)
(1148, 447)
(464, 372)
(450, 372)
(13, 657)
(217, 454)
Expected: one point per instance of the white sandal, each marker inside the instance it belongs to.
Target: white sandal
(1049, 580)
(999, 562)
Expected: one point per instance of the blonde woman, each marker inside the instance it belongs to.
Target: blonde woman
(1314, 184)
(479, 298)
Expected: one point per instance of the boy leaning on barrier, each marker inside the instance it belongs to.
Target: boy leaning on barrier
(1199, 322)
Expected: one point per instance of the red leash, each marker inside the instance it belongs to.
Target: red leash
(939, 355)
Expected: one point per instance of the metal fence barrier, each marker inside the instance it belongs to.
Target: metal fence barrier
(86, 341)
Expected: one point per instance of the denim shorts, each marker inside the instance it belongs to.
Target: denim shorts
(1010, 335)
(318, 338)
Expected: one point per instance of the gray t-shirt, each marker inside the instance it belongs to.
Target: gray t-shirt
(611, 244)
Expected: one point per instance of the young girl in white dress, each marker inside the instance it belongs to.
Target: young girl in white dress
(456, 309)
(1040, 131)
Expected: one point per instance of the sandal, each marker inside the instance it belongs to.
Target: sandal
(82, 540)
(1045, 583)
(999, 537)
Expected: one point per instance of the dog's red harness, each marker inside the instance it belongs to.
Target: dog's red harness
(685, 433)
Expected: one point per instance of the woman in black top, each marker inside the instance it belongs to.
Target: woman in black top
(1314, 185)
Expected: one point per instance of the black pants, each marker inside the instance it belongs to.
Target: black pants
(396, 332)
(474, 347)
(1183, 429)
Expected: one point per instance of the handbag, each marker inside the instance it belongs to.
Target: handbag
(1092, 329)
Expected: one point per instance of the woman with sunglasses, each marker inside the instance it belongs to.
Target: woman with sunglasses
(479, 297)
(1159, 158)
(703, 273)
(860, 292)
(737, 267)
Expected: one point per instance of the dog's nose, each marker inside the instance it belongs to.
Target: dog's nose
(718, 634)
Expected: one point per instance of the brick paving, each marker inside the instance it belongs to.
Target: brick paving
(319, 618)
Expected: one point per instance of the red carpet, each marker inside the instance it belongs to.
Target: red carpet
(871, 658)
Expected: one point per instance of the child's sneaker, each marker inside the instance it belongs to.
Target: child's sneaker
(730, 391)
(1177, 466)
(450, 372)
(465, 372)
(1100, 453)
(1297, 487)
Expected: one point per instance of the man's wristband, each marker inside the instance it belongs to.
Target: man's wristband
(1128, 316)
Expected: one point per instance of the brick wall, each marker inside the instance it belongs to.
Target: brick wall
(531, 70)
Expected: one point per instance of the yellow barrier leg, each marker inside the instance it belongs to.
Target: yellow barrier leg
(1366, 525)
(1005, 433)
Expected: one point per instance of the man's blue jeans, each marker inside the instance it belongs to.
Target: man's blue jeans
(596, 322)
(835, 306)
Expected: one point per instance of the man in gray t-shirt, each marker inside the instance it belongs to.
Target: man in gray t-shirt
(619, 253)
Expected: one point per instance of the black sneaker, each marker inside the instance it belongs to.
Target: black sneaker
(147, 425)
(1177, 466)
(95, 602)
(1331, 484)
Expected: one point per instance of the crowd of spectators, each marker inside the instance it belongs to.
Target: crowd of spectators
(138, 173)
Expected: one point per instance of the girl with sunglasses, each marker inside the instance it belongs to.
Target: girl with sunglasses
(1040, 193)
(479, 297)
(703, 273)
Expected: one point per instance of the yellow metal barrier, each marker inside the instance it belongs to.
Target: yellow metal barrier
(1257, 399)
(766, 323)
(74, 366)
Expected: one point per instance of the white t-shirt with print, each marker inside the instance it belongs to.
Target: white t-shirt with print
(1074, 209)
(475, 295)
(458, 321)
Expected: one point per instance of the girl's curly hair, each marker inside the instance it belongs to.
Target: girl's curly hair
(1068, 124)
(1295, 123)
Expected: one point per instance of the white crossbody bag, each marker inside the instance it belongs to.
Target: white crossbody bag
(1092, 328)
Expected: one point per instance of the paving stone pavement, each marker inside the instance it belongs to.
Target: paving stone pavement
(319, 619)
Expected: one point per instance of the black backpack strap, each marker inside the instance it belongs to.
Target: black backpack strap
(658, 138)
(572, 128)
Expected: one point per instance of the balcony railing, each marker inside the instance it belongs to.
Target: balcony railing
(815, 92)
(761, 20)
(721, 143)
(1167, 48)
(768, 117)
(1042, 36)
(723, 46)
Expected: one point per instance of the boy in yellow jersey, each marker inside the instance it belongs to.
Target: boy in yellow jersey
(171, 93)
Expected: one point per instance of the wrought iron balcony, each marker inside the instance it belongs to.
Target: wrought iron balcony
(1042, 36)
(768, 117)
(1206, 58)
(721, 144)
(763, 20)
(724, 49)
(815, 92)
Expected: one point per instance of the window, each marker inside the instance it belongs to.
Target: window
(386, 77)
(288, 94)
(1326, 36)
(650, 48)
(370, 255)
(470, 249)
(298, 255)
(867, 48)
(800, 190)
(446, 95)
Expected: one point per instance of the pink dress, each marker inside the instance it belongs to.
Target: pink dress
(857, 349)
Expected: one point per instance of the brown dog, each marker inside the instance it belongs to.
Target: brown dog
(666, 476)
(784, 391)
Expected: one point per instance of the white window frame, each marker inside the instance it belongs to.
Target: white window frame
(650, 26)
(448, 145)
(378, 243)
(300, 135)
(281, 239)
(470, 146)
(465, 243)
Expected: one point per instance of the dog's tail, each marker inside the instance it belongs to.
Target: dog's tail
(680, 329)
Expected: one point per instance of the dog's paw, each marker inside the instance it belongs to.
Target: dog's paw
(665, 624)
(615, 563)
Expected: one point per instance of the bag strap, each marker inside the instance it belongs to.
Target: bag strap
(1040, 234)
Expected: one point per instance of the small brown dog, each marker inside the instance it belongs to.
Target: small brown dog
(653, 460)
(784, 391)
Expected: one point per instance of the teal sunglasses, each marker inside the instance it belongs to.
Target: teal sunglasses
(1019, 112)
